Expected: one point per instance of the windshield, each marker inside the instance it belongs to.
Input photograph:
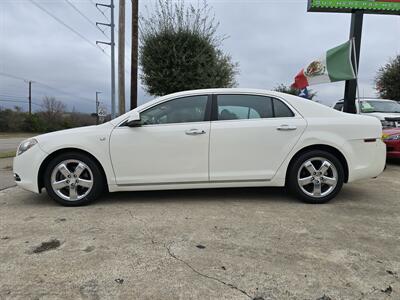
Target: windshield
(371, 106)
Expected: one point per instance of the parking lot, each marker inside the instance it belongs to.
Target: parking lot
(204, 244)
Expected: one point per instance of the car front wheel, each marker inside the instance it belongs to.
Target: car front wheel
(316, 177)
(73, 179)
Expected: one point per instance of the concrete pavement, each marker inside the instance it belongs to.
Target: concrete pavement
(6, 175)
(10, 143)
(204, 244)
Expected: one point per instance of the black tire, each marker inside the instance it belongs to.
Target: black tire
(297, 168)
(97, 187)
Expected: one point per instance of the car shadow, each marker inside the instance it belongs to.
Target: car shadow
(262, 194)
(272, 194)
(393, 161)
(350, 192)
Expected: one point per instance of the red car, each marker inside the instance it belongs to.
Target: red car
(391, 137)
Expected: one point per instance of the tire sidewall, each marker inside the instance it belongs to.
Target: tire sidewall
(98, 179)
(293, 172)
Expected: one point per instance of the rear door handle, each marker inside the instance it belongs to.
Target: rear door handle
(286, 127)
(195, 132)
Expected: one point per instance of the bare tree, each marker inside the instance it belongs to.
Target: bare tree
(52, 108)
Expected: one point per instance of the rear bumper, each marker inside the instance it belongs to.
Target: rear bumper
(26, 168)
(368, 160)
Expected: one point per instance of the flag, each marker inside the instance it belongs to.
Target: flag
(334, 65)
(304, 93)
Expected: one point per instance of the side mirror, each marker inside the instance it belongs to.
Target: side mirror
(134, 120)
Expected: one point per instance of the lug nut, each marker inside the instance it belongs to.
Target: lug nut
(67, 181)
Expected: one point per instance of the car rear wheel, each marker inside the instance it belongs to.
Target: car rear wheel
(316, 177)
(73, 179)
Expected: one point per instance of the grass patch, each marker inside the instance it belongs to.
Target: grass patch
(7, 154)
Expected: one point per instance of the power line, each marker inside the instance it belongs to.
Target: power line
(13, 96)
(67, 26)
(64, 92)
(17, 101)
(86, 17)
(13, 76)
(47, 86)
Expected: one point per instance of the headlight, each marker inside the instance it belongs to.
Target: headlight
(394, 137)
(388, 124)
(26, 145)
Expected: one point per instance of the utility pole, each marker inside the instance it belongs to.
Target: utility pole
(97, 107)
(112, 45)
(30, 97)
(134, 52)
(121, 57)
(349, 104)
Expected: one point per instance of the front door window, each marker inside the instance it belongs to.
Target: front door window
(181, 110)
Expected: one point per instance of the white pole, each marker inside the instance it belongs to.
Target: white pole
(353, 45)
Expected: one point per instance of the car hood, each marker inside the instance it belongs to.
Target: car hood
(391, 131)
(73, 137)
(382, 116)
(72, 131)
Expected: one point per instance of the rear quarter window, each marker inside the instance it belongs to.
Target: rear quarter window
(338, 106)
(281, 110)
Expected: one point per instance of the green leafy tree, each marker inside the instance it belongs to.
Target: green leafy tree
(11, 120)
(52, 117)
(33, 123)
(180, 50)
(387, 81)
(293, 91)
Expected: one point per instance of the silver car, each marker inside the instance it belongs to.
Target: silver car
(387, 111)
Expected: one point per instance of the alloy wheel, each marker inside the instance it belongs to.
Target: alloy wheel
(317, 177)
(72, 180)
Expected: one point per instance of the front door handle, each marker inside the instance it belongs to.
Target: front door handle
(195, 132)
(286, 127)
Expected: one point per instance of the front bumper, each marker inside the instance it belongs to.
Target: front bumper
(26, 168)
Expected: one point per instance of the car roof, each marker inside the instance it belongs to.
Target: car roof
(368, 99)
(376, 99)
(224, 90)
(303, 106)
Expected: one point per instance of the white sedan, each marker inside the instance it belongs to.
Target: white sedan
(216, 138)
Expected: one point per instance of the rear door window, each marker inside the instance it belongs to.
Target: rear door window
(245, 107)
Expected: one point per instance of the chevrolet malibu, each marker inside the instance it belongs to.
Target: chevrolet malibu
(216, 138)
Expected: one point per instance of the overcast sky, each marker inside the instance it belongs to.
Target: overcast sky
(270, 39)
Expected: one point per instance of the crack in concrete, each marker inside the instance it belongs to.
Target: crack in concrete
(148, 232)
(8, 187)
(230, 285)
